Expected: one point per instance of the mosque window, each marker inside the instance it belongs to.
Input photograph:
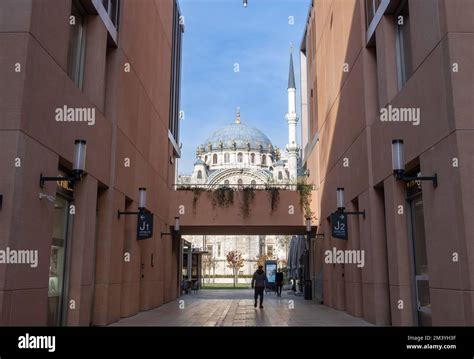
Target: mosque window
(240, 182)
(264, 160)
(214, 159)
(252, 158)
(226, 182)
(199, 175)
(240, 157)
(280, 175)
(226, 158)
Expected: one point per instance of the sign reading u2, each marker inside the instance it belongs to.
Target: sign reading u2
(144, 226)
(339, 225)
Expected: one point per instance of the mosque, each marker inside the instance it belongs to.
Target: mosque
(241, 155)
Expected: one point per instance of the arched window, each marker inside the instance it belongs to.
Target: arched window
(199, 176)
(264, 160)
(280, 175)
(240, 157)
(226, 158)
(226, 182)
(253, 183)
(240, 182)
(205, 159)
(252, 158)
(214, 159)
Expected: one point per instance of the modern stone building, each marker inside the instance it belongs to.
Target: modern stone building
(413, 58)
(107, 72)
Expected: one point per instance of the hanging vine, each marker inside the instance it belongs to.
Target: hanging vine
(248, 195)
(304, 191)
(274, 193)
(222, 197)
(196, 194)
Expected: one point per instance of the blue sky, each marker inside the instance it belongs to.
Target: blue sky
(220, 33)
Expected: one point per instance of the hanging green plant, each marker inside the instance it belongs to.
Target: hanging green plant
(274, 193)
(304, 191)
(248, 195)
(196, 194)
(222, 197)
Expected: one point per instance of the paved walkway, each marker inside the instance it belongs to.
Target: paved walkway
(235, 308)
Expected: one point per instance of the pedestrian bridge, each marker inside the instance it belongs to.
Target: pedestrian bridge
(246, 211)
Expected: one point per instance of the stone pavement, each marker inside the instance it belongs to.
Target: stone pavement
(235, 308)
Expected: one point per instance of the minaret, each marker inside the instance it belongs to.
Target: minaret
(292, 147)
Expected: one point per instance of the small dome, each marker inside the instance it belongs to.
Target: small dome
(241, 136)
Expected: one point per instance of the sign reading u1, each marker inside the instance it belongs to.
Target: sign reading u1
(144, 226)
(339, 225)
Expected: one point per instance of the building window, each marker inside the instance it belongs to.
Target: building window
(199, 175)
(77, 43)
(210, 249)
(214, 159)
(280, 175)
(205, 159)
(403, 46)
(253, 183)
(252, 158)
(226, 182)
(264, 160)
(240, 157)
(240, 182)
(112, 8)
(219, 250)
(226, 158)
(269, 250)
(175, 81)
(371, 7)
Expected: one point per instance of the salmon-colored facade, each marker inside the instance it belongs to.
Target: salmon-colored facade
(98, 272)
(418, 244)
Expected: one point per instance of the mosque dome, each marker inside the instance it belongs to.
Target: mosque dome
(239, 136)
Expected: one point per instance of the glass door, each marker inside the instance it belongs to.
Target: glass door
(57, 266)
(420, 261)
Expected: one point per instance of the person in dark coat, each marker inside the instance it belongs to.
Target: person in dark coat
(259, 280)
(279, 281)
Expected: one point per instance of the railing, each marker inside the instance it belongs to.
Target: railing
(212, 186)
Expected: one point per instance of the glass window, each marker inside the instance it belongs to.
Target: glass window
(57, 261)
(199, 175)
(403, 46)
(77, 36)
(252, 158)
(280, 175)
(240, 182)
(264, 160)
(175, 74)
(214, 159)
(240, 157)
(226, 158)
(253, 183)
(226, 182)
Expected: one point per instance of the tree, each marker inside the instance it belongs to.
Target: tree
(235, 261)
(284, 243)
(261, 259)
(208, 263)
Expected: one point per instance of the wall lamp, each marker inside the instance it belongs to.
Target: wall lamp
(341, 201)
(77, 168)
(141, 203)
(398, 164)
(175, 229)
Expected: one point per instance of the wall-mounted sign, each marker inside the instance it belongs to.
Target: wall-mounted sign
(339, 225)
(144, 225)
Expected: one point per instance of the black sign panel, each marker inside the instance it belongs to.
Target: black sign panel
(144, 226)
(339, 225)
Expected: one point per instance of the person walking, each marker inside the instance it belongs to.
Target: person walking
(279, 281)
(259, 280)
